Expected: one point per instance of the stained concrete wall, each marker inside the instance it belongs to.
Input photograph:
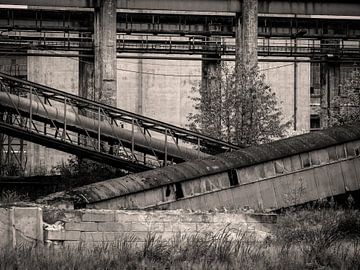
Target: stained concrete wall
(281, 77)
(32, 225)
(98, 226)
(166, 97)
(159, 89)
(60, 73)
(20, 226)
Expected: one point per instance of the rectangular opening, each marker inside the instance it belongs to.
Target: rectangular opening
(234, 181)
(178, 191)
(312, 91)
(314, 121)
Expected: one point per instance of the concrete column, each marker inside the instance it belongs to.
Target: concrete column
(329, 78)
(105, 51)
(246, 34)
(329, 86)
(140, 93)
(211, 90)
(86, 78)
(208, 71)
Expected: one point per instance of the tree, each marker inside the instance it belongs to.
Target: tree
(345, 107)
(237, 107)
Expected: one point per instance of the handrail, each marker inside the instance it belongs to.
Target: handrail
(146, 122)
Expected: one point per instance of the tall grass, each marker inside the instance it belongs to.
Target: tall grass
(306, 239)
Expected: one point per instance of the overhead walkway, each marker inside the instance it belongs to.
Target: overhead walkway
(40, 44)
(93, 130)
(271, 176)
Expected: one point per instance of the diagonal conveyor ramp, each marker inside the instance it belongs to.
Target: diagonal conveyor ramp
(271, 176)
(80, 126)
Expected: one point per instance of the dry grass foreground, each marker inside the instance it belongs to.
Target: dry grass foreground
(305, 239)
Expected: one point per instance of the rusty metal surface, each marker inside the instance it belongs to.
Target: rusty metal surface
(221, 163)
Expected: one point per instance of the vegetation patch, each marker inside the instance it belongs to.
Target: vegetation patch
(303, 239)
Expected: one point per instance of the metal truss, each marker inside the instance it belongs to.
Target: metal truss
(22, 42)
(95, 131)
(67, 21)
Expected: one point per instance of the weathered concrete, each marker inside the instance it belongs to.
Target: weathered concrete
(86, 78)
(20, 225)
(159, 89)
(308, 167)
(105, 51)
(246, 32)
(61, 73)
(90, 227)
(281, 78)
(329, 87)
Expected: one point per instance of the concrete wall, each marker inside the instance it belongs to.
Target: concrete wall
(143, 88)
(60, 73)
(20, 226)
(280, 76)
(32, 225)
(167, 97)
(96, 226)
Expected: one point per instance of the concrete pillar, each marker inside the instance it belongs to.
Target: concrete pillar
(246, 34)
(86, 78)
(86, 73)
(329, 86)
(329, 78)
(105, 51)
(209, 70)
(211, 91)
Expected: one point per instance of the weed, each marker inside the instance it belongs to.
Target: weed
(306, 239)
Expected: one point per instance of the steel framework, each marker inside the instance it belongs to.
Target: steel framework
(93, 130)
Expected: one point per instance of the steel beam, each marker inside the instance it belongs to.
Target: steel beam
(70, 22)
(44, 140)
(304, 7)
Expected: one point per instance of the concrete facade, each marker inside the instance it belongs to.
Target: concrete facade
(159, 89)
(20, 226)
(91, 227)
(60, 73)
(246, 35)
(105, 51)
(281, 78)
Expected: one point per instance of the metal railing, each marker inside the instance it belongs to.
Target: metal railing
(16, 43)
(97, 131)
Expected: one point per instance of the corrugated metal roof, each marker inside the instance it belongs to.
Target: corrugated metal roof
(197, 168)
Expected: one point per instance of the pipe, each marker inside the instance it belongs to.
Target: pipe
(75, 122)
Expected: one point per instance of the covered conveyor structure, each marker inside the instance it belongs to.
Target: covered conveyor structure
(271, 176)
(83, 127)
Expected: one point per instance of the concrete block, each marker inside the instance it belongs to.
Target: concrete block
(6, 235)
(182, 227)
(129, 216)
(263, 218)
(114, 227)
(81, 226)
(28, 224)
(228, 218)
(214, 228)
(148, 226)
(98, 216)
(62, 235)
(196, 217)
(110, 236)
